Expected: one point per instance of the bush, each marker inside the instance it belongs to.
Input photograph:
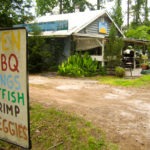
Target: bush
(120, 72)
(44, 54)
(102, 70)
(79, 66)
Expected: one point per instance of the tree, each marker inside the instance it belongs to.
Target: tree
(45, 6)
(140, 32)
(45, 53)
(140, 13)
(137, 10)
(146, 12)
(128, 12)
(82, 4)
(65, 6)
(100, 4)
(113, 49)
(14, 12)
(117, 14)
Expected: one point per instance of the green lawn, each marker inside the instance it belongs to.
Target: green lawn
(144, 80)
(54, 129)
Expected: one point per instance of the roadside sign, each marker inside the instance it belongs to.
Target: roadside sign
(14, 101)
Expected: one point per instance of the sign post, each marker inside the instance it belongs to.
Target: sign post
(14, 99)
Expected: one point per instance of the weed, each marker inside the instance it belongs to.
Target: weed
(63, 131)
(137, 82)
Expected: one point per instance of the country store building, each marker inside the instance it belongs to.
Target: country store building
(80, 31)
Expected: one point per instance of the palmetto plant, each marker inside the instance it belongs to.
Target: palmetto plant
(79, 65)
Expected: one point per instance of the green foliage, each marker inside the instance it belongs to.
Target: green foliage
(36, 30)
(139, 12)
(45, 6)
(142, 81)
(14, 12)
(79, 65)
(51, 127)
(82, 4)
(93, 144)
(113, 49)
(102, 70)
(65, 6)
(44, 53)
(140, 32)
(120, 72)
(137, 9)
(146, 14)
(38, 56)
(117, 13)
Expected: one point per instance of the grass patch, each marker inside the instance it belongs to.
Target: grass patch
(53, 129)
(135, 82)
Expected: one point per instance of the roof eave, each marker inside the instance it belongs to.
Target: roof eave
(89, 35)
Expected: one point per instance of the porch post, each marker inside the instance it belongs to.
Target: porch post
(103, 47)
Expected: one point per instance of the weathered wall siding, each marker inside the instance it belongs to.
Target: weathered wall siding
(93, 28)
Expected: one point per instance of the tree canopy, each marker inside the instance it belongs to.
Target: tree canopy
(45, 6)
(64, 6)
(141, 32)
(117, 13)
(14, 12)
(139, 12)
(113, 49)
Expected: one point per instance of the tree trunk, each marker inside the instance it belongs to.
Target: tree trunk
(98, 4)
(146, 11)
(60, 6)
(128, 13)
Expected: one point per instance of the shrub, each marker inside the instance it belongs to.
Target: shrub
(79, 66)
(120, 72)
(44, 54)
(102, 70)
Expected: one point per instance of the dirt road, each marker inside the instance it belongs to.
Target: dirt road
(123, 113)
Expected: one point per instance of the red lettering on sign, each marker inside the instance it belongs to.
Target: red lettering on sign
(3, 62)
(10, 63)
(15, 65)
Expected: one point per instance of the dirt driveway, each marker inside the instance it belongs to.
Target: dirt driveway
(123, 113)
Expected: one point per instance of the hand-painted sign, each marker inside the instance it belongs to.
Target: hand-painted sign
(103, 27)
(14, 105)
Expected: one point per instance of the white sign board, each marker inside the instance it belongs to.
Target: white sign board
(14, 105)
